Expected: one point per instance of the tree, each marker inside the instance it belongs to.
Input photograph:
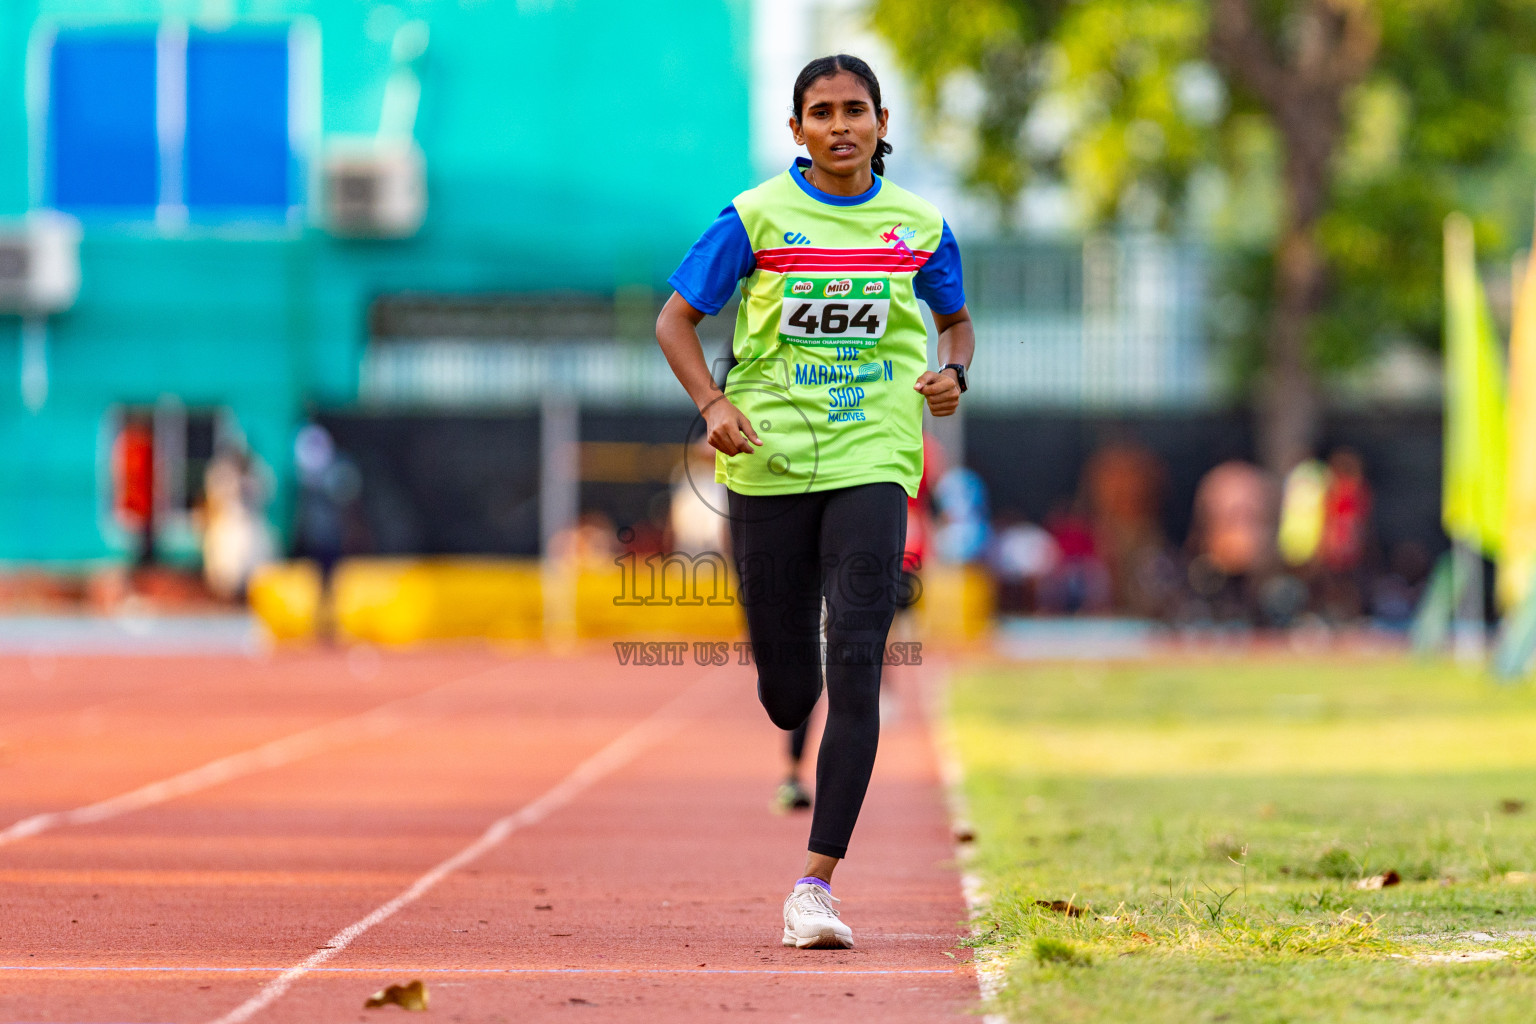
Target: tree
(1341, 132)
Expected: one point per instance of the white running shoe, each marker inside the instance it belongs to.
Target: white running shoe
(811, 922)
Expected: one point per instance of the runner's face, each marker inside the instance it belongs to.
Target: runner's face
(839, 125)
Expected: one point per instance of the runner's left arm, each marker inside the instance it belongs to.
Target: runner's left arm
(957, 343)
(940, 284)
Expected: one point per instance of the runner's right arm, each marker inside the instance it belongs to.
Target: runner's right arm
(704, 283)
(677, 332)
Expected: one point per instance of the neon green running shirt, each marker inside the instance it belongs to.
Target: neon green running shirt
(829, 336)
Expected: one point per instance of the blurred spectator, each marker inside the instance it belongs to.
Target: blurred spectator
(920, 508)
(1396, 593)
(329, 484)
(962, 500)
(1123, 485)
(1346, 520)
(1022, 555)
(237, 539)
(642, 537)
(591, 542)
(696, 519)
(1346, 513)
(1301, 512)
(1078, 582)
(1232, 537)
(133, 471)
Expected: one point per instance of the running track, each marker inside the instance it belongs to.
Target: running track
(221, 839)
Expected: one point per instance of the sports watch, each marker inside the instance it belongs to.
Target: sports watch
(959, 369)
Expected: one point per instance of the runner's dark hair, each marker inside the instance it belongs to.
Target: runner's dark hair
(826, 67)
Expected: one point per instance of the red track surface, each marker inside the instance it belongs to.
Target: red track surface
(651, 894)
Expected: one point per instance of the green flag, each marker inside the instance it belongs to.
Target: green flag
(1475, 437)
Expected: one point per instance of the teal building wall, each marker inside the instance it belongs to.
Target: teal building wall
(571, 145)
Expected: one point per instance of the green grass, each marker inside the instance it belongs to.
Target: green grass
(1212, 819)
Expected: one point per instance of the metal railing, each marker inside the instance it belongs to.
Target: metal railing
(1108, 323)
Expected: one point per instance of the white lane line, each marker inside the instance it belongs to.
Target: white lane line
(384, 720)
(618, 753)
(991, 968)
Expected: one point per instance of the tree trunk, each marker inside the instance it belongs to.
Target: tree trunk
(1303, 89)
(1289, 407)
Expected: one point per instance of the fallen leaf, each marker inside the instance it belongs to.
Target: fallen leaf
(578, 1001)
(407, 997)
(543, 906)
(1511, 806)
(1381, 881)
(963, 832)
(1143, 936)
(1060, 907)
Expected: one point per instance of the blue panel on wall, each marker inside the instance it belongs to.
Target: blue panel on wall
(101, 121)
(237, 151)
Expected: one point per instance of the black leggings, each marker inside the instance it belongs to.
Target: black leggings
(790, 550)
(797, 741)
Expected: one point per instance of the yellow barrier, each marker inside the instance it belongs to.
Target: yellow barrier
(403, 601)
(956, 605)
(286, 597)
(389, 601)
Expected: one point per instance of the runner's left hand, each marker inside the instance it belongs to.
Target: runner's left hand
(941, 390)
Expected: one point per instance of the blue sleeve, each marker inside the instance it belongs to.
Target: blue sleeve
(940, 283)
(721, 257)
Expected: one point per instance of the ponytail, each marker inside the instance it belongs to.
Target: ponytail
(877, 162)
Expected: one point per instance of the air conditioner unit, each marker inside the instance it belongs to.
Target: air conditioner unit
(375, 191)
(39, 264)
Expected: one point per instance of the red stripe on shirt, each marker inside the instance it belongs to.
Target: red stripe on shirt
(872, 261)
(921, 255)
(875, 251)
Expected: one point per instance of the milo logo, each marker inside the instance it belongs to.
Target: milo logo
(802, 287)
(874, 287)
(843, 287)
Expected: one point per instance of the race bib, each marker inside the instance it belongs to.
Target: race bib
(832, 311)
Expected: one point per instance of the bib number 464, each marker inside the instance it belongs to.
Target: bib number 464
(835, 311)
(835, 318)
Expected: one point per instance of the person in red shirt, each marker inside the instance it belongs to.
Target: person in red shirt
(133, 468)
(1346, 522)
(1346, 511)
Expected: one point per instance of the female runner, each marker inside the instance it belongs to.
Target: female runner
(818, 430)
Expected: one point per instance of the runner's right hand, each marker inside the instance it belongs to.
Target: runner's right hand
(728, 429)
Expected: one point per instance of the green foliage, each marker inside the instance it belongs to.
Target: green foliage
(1000, 42)
(1122, 101)
(1121, 70)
